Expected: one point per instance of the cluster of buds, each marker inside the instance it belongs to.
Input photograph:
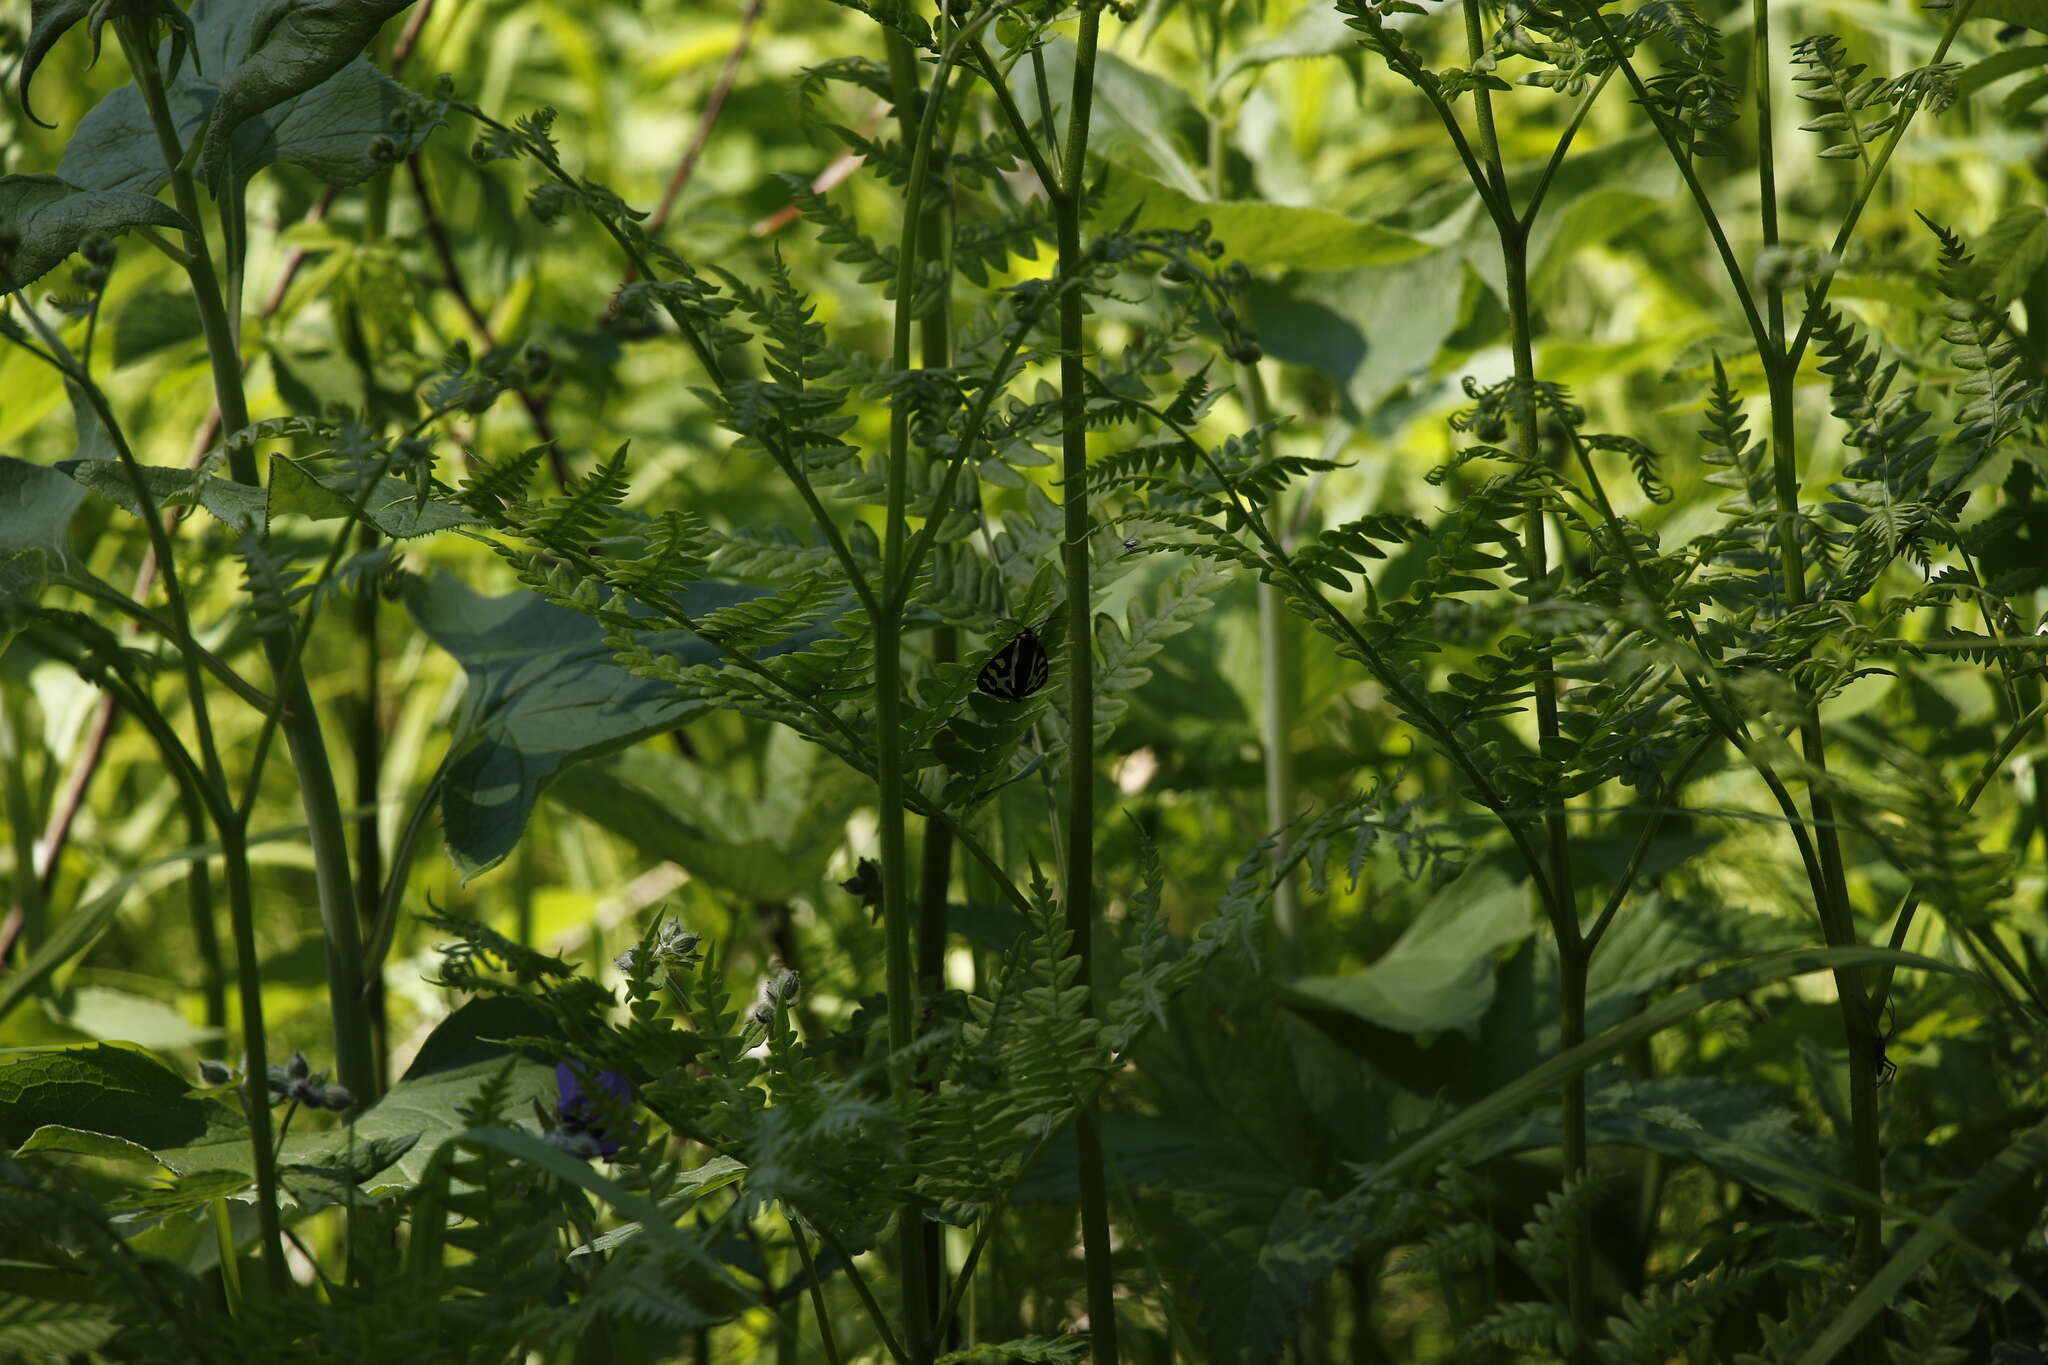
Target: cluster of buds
(295, 1081)
(673, 947)
(778, 992)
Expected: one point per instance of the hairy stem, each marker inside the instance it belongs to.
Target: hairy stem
(1276, 634)
(354, 1065)
(1080, 823)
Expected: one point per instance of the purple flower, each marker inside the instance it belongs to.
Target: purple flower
(589, 1105)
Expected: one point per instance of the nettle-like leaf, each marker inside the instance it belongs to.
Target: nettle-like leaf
(235, 504)
(292, 47)
(44, 218)
(269, 81)
(544, 692)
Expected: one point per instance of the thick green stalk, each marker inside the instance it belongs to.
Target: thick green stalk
(199, 903)
(1276, 634)
(22, 824)
(912, 1245)
(256, 1052)
(354, 1065)
(1080, 823)
(1573, 952)
(1831, 898)
(366, 739)
(936, 873)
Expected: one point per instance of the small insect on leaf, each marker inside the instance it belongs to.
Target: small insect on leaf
(1016, 670)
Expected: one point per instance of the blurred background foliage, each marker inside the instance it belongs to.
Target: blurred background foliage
(1376, 291)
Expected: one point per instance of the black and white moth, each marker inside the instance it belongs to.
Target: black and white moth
(1016, 670)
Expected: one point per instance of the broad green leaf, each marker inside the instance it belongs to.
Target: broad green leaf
(1658, 938)
(1997, 67)
(36, 507)
(393, 506)
(116, 1089)
(2031, 14)
(153, 321)
(1314, 31)
(422, 1110)
(1138, 1150)
(289, 50)
(1597, 195)
(654, 1224)
(1439, 974)
(1371, 331)
(1325, 1235)
(1137, 120)
(44, 218)
(721, 830)
(81, 928)
(1676, 1008)
(2015, 246)
(57, 1139)
(1744, 1132)
(543, 693)
(327, 130)
(117, 1016)
(1022, 1351)
(235, 504)
(1264, 236)
(712, 1176)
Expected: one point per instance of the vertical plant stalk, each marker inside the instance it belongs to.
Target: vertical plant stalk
(886, 611)
(1573, 953)
(199, 904)
(935, 873)
(1276, 634)
(213, 786)
(367, 740)
(22, 823)
(354, 1065)
(1831, 899)
(1080, 824)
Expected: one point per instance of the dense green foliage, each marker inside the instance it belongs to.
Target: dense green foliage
(1203, 681)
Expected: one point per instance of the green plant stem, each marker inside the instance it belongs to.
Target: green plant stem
(1276, 637)
(935, 874)
(22, 824)
(876, 1316)
(256, 1052)
(199, 905)
(817, 1288)
(366, 740)
(1574, 953)
(914, 1270)
(1831, 891)
(1079, 888)
(354, 1065)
